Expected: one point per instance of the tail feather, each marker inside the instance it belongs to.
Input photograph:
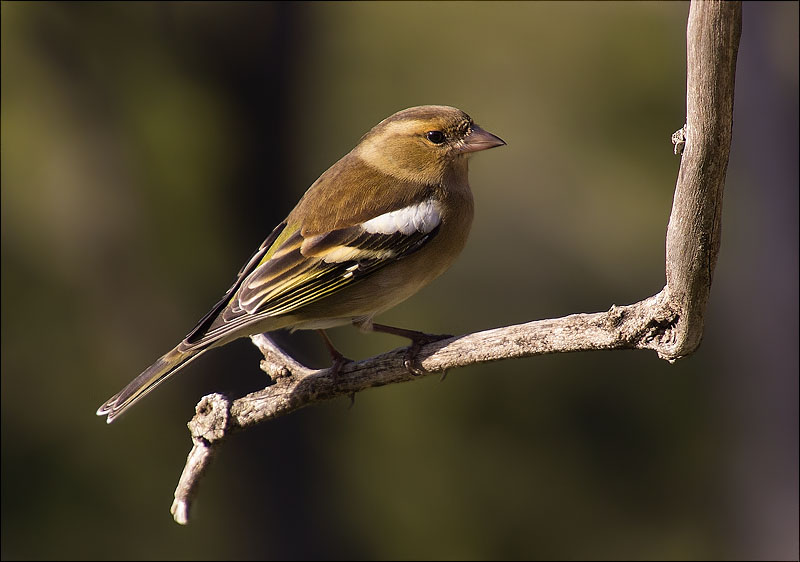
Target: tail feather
(166, 366)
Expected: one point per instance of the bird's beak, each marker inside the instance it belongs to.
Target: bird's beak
(478, 139)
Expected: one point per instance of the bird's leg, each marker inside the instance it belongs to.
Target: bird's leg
(418, 339)
(338, 358)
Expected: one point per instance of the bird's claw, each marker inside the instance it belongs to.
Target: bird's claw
(410, 359)
(339, 361)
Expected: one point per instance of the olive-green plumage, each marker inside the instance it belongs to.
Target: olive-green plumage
(378, 225)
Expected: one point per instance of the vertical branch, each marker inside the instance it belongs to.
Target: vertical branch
(693, 234)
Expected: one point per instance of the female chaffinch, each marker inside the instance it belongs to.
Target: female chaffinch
(381, 223)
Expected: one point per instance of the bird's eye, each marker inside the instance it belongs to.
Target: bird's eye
(436, 137)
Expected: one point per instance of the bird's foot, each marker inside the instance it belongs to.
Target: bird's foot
(339, 360)
(418, 340)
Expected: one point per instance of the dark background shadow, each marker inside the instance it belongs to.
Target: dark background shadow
(147, 149)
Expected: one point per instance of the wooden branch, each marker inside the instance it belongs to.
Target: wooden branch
(693, 234)
(670, 322)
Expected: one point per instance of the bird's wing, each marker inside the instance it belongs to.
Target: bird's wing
(291, 270)
(198, 332)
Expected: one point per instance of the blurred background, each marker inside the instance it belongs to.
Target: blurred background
(147, 150)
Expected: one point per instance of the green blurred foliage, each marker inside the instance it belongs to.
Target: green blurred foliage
(147, 148)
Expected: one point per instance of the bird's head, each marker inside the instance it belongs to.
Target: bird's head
(422, 143)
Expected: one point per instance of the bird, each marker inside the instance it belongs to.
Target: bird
(381, 223)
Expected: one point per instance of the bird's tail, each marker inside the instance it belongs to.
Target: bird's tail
(166, 366)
